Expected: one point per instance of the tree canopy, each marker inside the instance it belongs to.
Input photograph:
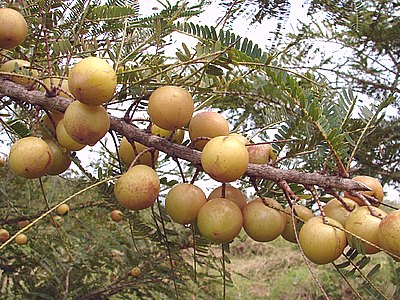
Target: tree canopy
(325, 114)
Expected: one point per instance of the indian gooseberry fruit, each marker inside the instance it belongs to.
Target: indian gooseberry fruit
(116, 215)
(65, 140)
(92, 81)
(48, 124)
(261, 153)
(373, 184)
(127, 153)
(135, 272)
(23, 223)
(4, 235)
(322, 243)
(170, 107)
(231, 193)
(21, 239)
(13, 28)
(61, 160)
(56, 221)
(225, 158)
(219, 220)
(2, 162)
(263, 223)
(334, 209)
(177, 138)
(56, 81)
(303, 213)
(22, 67)
(389, 232)
(363, 224)
(240, 137)
(138, 188)
(207, 124)
(183, 202)
(30, 157)
(63, 209)
(86, 124)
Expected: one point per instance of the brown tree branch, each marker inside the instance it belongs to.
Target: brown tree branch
(131, 132)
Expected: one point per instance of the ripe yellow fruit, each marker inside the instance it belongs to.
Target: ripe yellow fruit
(177, 138)
(207, 124)
(30, 157)
(56, 82)
(334, 209)
(361, 223)
(373, 184)
(63, 209)
(116, 215)
(321, 242)
(231, 193)
(303, 213)
(138, 188)
(220, 220)
(261, 153)
(47, 128)
(225, 158)
(389, 232)
(61, 160)
(263, 223)
(65, 140)
(240, 137)
(183, 202)
(13, 28)
(86, 124)
(135, 272)
(4, 235)
(23, 67)
(170, 107)
(127, 154)
(92, 81)
(56, 221)
(21, 239)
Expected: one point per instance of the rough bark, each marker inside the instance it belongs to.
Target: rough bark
(21, 93)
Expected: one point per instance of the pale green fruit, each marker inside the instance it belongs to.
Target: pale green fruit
(92, 81)
(127, 154)
(334, 209)
(21, 239)
(86, 124)
(373, 184)
(65, 140)
(61, 160)
(183, 202)
(138, 188)
(322, 243)
(219, 220)
(13, 28)
(170, 107)
(364, 225)
(207, 124)
(302, 212)
(225, 158)
(389, 232)
(47, 126)
(30, 157)
(263, 223)
(177, 138)
(23, 68)
(231, 193)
